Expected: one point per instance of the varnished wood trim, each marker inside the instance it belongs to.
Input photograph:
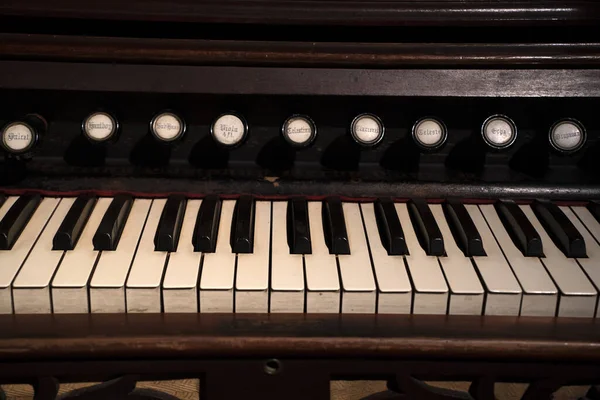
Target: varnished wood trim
(313, 189)
(314, 12)
(121, 336)
(373, 55)
(299, 81)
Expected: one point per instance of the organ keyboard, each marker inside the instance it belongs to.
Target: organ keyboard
(402, 190)
(298, 255)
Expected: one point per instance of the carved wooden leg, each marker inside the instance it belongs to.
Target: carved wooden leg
(122, 388)
(482, 389)
(419, 390)
(541, 390)
(45, 388)
(593, 393)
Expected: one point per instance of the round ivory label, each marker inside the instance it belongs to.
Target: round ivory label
(298, 130)
(567, 136)
(99, 126)
(367, 129)
(167, 126)
(229, 129)
(17, 137)
(429, 133)
(499, 132)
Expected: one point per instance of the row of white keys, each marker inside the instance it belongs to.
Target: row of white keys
(287, 270)
(466, 292)
(394, 294)
(503, 292)
(13, 259)
(180, 285)
(6, 277)
(429, 285)
(145, 276)
(322, 277)
(218, 268)
(31, 288)
(252, 271)
(356, 274)
(580, 216)
(70, 284)
(107, 287)
(577, 294)
(540, 295)
(430, 276)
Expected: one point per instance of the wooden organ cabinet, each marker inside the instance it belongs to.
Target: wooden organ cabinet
(272, 194)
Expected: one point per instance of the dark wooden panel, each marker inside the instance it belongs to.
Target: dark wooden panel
(449, 12)
(299, 81)
(276, 188)
(230, 52)
(121, 336)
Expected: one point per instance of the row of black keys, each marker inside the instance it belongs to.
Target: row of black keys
(106, 238)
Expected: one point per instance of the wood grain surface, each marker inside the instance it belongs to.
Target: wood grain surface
(299, 81)
(111, 337)
(279, 53)
(366, 13)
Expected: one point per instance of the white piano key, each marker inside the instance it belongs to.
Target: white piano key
(69, 286)
(429, 285)
(577, 294)
(143, 284)
(540, 295)
(107, 287)
(8, 203)
(11, 260)
(503, 292)
(31, 288)
(180, 286)
(287, 270)
(589, 229)
(218, 268)
(358, 283)
(466, 292)
(322, 279)
(5, 295)
(252, 275)
(394, 289)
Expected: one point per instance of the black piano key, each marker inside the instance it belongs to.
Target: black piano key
(169, 225)
(298, 228)
(390, 229)
(2, 199)
(207, 225)
(594, 208)
(560, 229)
(242, 230)
(70, 229)
(461, 224)
(16, 219)
(334, 226)
(522, 233)
(109, 231)
(426, 228)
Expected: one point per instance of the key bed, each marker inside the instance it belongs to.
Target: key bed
(138, 277)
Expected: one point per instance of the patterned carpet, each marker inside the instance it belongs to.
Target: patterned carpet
(340, 390)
